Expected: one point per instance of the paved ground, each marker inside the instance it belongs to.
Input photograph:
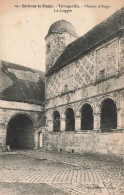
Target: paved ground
(40, 173)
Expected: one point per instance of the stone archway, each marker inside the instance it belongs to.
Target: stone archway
(56, 121)
(108, 115)
(20, 132)
(70, 120)
(87, 117)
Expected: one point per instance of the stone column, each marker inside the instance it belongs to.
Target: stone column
(50, 125)
(77, 123)
(120, 119)
(63, 124)
(35, 141)
(3, 130)
(3, 134)
(96, 125)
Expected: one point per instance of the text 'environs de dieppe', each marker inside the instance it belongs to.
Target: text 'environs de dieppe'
(61, 7)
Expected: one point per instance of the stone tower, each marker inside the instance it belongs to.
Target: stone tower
(60, 34)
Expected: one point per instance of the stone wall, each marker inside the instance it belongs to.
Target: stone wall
(92, 79)
(121, 54)
(9, 110)
(94, 95)
(88, 142)
(55, 44)
(76, 75)
(103, 62)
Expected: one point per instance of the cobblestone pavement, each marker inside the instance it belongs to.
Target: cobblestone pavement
(72, 173)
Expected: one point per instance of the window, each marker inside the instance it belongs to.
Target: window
(102, 74)
(56, 121)
(108, 115)
(70, 120)
(48, 48)
(66, 88)
(87, 117)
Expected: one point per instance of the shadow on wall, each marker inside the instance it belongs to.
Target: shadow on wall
(20, 133)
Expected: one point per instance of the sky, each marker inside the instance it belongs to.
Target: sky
(23, 29)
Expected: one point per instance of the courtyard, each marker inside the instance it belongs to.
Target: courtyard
(60, 173)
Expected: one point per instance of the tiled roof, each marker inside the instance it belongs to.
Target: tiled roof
(21, 84)
(90, 40)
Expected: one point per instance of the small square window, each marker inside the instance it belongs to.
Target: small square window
(66, 88)
(102, 74)
(48, 48)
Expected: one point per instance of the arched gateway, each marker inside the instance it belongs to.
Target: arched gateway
(20, 132)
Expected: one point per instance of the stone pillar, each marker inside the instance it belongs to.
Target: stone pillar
(96, 125)
(77, 123)
(50, 125)
(35, 141)
(3, 130)
(120, 119)
(3, 134)
(63, 124)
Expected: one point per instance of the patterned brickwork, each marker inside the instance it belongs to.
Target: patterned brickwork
(68, 77)
(84, 73)
(78, 74)
(53, 86)
(87, 69)
(107, 58)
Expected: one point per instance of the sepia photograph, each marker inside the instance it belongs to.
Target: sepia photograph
(61, 97)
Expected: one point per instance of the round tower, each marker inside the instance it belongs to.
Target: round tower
(60, 34)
